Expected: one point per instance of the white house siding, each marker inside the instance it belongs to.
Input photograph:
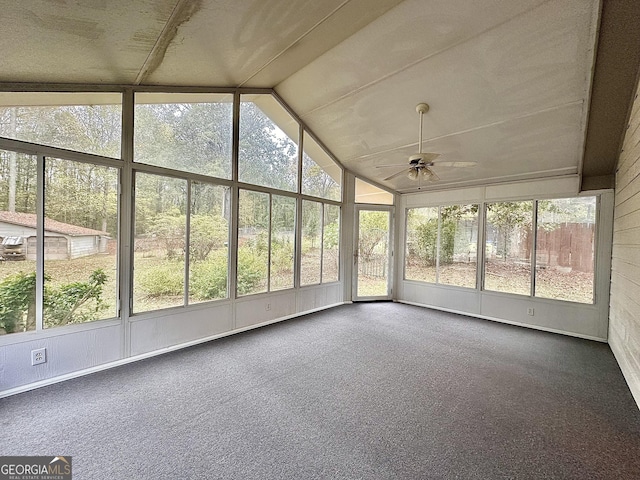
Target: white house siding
(12, 230)
(83, 246)
(624, 313)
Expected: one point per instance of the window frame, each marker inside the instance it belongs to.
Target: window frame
(127, 169)
(482, 238)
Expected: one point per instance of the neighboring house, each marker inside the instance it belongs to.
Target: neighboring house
(62, 241)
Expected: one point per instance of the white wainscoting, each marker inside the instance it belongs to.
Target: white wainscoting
(82, 349)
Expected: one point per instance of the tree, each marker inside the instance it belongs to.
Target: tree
(373, 232)
(510, 218)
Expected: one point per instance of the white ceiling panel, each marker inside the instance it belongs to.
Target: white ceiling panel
(409, 33)
(257, 42)
(350, 17)
(509, 72)
(545, 144)
(94, 41)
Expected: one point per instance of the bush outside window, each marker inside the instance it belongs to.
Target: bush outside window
(441, 245)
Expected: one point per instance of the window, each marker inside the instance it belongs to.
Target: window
(84, 122)
(208, 242)
(268, 149)
(422, 244)
(80, 242)
(79, 245)
(18, 193)
(311, 266)
(283, 235)
(565, 252)
(187, 132)
(331, 244)
(321, 176)
(509, 242)
(160, 242)
(441, 245)
(253, 242)
(457, 259)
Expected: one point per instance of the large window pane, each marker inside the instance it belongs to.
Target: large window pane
(283, 234)
(159, 247)
(565, 250)
(311, 243)
(80, 242)
(208, 242)
(253, 242)
(422, 244)
(458, 245)
(268, 150)
(331, 244)
(188, 132)
(508, 247)
(85, 122)
(18, 174)
(321, 176)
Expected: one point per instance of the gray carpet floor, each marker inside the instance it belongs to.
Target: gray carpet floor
(362, 391)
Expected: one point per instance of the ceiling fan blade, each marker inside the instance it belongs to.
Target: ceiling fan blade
(405, 164)
(401, 172)
(430, 157)
(433, 177)
(456, 164)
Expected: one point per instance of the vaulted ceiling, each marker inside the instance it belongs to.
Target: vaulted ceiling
(511, 84)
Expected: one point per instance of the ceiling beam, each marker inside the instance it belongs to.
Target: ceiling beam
(614, 85)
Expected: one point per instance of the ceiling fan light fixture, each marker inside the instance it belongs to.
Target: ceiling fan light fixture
(426, 174)
(412, 174)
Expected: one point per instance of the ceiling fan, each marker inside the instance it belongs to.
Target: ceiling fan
(420, 164)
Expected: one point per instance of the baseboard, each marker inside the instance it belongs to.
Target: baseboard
(509, 322)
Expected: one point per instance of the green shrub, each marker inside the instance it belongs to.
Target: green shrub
(252, 270)
(74, 302)
(165, 278)
(427, 241)
(281, 255)
(17, 302)
(208, 279)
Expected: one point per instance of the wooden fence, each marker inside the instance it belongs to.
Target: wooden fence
(571, 245)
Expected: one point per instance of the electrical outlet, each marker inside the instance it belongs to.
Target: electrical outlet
(530, 311)
(38, 356)
(267, 307)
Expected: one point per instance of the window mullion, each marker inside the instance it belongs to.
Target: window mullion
(534, 246)
(438, 237)
(187, 240)
(40, 244)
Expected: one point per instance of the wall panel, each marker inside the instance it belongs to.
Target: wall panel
(624, 314)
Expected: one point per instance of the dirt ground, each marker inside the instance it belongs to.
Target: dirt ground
(552, 283)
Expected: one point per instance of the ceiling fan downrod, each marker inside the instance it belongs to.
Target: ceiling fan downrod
(421, 108)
